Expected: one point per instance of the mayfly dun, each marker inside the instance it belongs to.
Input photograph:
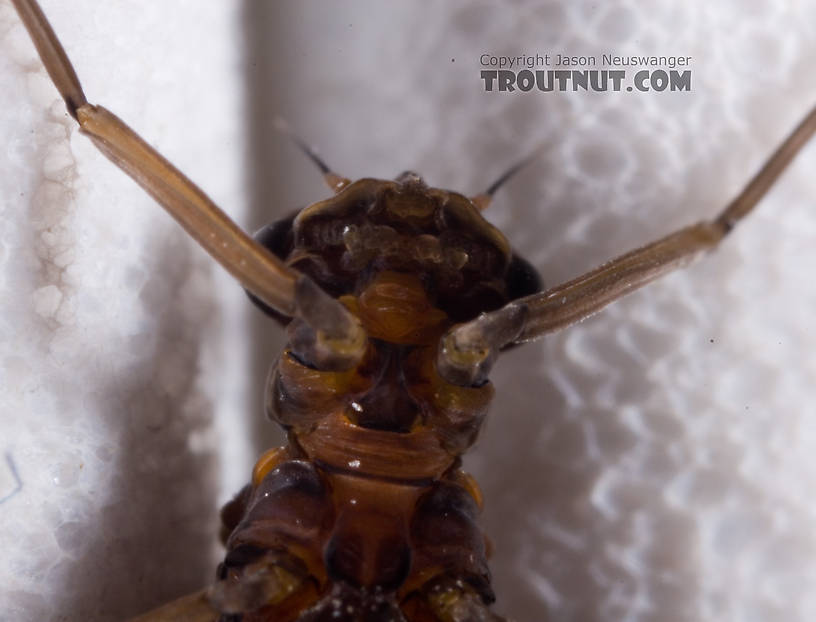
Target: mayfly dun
(536, 561)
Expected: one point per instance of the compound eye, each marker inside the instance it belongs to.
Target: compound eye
(278, 238)
(522, 278)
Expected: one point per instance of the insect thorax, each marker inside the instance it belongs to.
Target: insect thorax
(409, 261)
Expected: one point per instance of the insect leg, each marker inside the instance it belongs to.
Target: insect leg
(468, 351)
(278, 529)
(191, 608)
(454, 601)
(445, 535)
(336, 336)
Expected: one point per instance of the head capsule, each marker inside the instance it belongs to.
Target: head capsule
(374, 227)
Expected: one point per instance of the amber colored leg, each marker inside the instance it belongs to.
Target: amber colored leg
(193, 608)
(456, 601)
(336, 337)
(448, 599)
(468, 351)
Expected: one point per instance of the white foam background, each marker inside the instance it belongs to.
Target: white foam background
(655, 462)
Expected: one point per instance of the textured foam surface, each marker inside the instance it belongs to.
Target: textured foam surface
(653, 463)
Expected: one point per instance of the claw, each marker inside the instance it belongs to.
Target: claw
(246, 587)
(329, 337)
(453, 600)
(468, 351)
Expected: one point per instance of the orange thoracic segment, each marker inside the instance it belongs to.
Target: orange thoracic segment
(394, 307)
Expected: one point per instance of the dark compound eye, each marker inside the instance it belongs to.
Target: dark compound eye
(522, 278)
(278, 238)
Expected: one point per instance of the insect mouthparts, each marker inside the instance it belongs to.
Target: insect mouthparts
(410, 178)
